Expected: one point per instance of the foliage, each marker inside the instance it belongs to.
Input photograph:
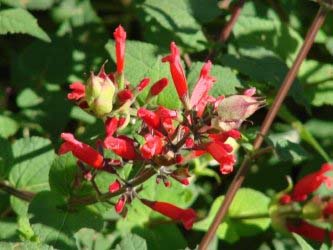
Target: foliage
(46, 45)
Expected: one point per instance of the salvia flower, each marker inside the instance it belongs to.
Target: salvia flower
(114, 186)
(158, 86)
(82, 151)
(122, 146)
(186, 216)
(311, 182)
(177, 72)
(120, 38)
(153, 146)
(78, 91)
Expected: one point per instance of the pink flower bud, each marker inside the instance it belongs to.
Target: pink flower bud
(233, 110)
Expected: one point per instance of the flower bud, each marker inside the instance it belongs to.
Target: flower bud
(99, 94)
(234, 110)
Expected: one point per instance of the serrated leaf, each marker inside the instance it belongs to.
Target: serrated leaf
(132, 242)
(318, 78)
(31, 161)
(271, 34)
(177, 18)
(59, 228)
(8, 126)
(247, 202)
(14, 21)
(29, 4)
(226, 80)
(62, 174)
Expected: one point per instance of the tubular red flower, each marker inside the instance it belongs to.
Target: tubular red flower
(120, 39)
(149, 117)
(222, 137)
(285, 199)
(309, 231)
(221, 153)
(311, 182)
(125, 95)
(158, 86)
(328, 209)
(122, 146)
(186, 216)
(78, 91)
(152, 147)
(199, 97)
(82, 151)
(114, 186)
(143, 84)
(177, 71)
(111, 125)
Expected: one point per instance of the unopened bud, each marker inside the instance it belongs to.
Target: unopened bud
(99, 94)
(234, 110)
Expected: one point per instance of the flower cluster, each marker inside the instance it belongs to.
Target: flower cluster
(169, 138)
(309, 208)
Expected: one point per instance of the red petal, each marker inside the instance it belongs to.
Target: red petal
(80, 150)
(78, 91)
(120, 39)
(115, 186)
(152, 147)
(158, 86)
(125, 95)
(122, 146)
(149, 117)
(120, 204)
(144, 83)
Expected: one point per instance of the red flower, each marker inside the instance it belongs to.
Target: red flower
(328, 209)
(149, 117)
(115, 186)
(309, 231)
(152, 147)
(200, 97)
(78, 91)
(144, 83)
(120, 204)
(177, 71)
(125, 95)
(111, 125)
(82, 151)
(186, 216)
(158, 86)
(120, 39)
(122, 146)
(221, 153)
(309, 183)
(285, 199)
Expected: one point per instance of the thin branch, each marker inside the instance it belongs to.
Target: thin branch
(22, 194)
(236, 11)
(282, 93)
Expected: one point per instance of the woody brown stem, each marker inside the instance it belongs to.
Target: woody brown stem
(22, 194)
(282, 93)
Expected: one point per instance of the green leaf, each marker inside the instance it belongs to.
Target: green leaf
(79, 114)
(24, 246)
(59, 228)
(320, 128)
(162, 237)
(271, 34)
(132, 242)
(302, 242)
(62, 174)
(28, 98)
(175, 17)
(144, 60)
(8, 126)
(226, 80)
(290, 151)
(7, 230)
(29, 4)
(89, 239)
(318, 78)
(14, 21)
(31, 161)
(241, 219)
(5, 158)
